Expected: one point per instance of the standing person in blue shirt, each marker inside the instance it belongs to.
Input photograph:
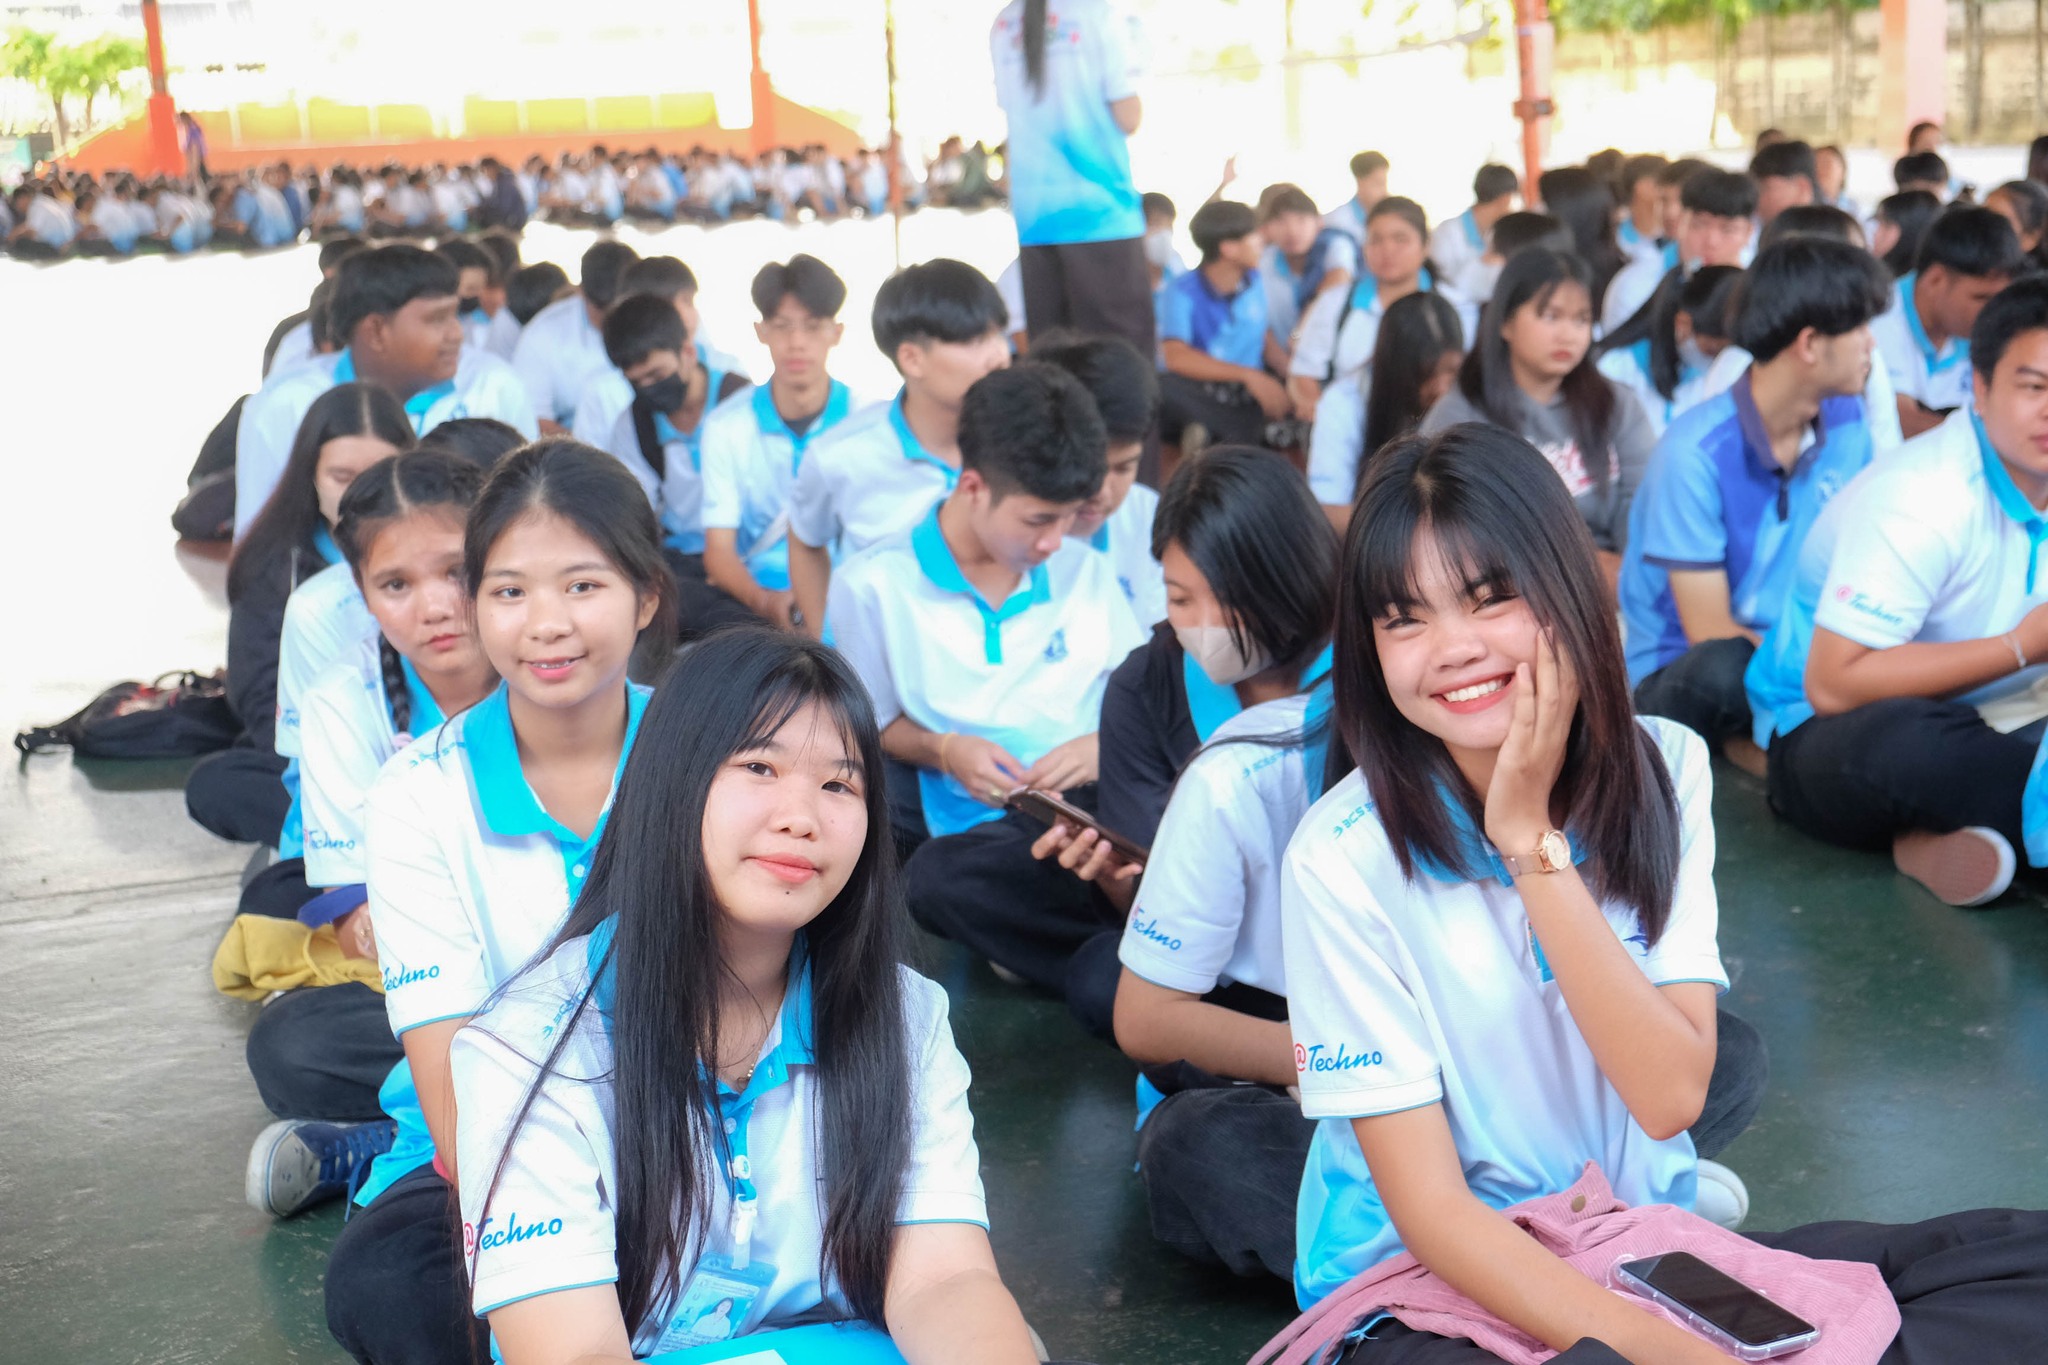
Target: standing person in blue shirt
(754, 442)
(1735, 484)
(1067, 78)
(986, 638)
(1220, 352)
(943, 326)
(1968, 255)
(1900, 691)
(480, 836)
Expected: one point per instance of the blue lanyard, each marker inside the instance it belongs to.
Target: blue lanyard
(1959, 347)
(2010, 500)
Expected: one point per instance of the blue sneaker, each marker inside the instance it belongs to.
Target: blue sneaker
(297, 1163)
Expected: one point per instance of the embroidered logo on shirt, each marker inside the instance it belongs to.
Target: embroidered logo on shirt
(475, 1238)
(325, 842)
(1056, 647)
(1149, 930)
(406, 976)
(1317, 1057)
(1864, 604)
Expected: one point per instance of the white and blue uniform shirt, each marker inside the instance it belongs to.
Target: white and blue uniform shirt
(483, 386)
(469, 877)
(1289, 295)
(1027, 674)
(1933, 543)
(677, 490)
(324, 619)
(1880, 404)
(1636, 246)
(502, 340)
(1232, 330)
(1456, 244)
(1940, 378)
(1208, 909)
(1630, 368)
(1070, 164)
(866, 480)
(1349, 219)
(560, 350)
(750, 461)
(1715, 498)
(608, 393)
(348, 735)
(1125, 536)
(550, 1224)
(1435, 991)
(1345, 351)
(1336, 443)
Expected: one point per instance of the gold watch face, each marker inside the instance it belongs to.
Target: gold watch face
(1556, 852)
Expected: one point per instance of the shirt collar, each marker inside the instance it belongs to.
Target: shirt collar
(323, 541)
(1366, 293)
(1477, 859)
(935, 558)
(2010, 500)
(1958, 348)
(837, 402)
(505, 800)
(426, 712)
(1473, 236)
(1756, 442)
(1211, 703)
(416, 407)
(912, 448)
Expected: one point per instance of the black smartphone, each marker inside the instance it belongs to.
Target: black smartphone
(1720, 1306)
(1048, 809)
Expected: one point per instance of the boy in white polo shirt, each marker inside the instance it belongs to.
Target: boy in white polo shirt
(1900, 692)
(606, 393)
(944, 326)
(986, 638)
(1967, 256)
(755, 441)
(562, 346)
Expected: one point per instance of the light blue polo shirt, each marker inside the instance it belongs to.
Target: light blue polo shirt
(1714, 497)
(749, 460)
(1069, 163)
(1231, 329)
(866, 480)
(1939, 377)
(501, 816)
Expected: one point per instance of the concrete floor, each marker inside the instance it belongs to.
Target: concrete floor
(1909, 1041)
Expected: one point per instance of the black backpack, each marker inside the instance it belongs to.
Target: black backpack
(180, 715)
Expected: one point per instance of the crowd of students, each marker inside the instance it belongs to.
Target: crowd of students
(1409, 914)
(63, 213)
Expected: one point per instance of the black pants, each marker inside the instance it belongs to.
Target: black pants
(321, 1052)
(397, 1293)
(983, 889)
(1702, 689)
(1228, 411)
(1970, 1287)
(1098, 288)
(1222, 1163)
(277, 891)
(702, 607)
(1867, 775)
(239, 794)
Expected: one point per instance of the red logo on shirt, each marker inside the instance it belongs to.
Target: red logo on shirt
(469, 1232)
(1300, 1058)
(1844, 593)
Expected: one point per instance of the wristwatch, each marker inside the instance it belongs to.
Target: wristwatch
(1553, 854)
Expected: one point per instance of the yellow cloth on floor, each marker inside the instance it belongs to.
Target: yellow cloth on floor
(262, 954)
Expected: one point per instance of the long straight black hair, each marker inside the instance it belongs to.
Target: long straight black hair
(730, 694)
(1034, 43)
(1485, 500)
(291, 518)
(1703, 296)
(1415, 334)
(1487, 377)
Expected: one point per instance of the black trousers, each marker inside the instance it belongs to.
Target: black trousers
(1702, 689)
(277, 891)
(1970, 1287)
(239, 795)
(321, 1052)
(1229, 412)
(1860, 778)
(984, 890)
(397, 1293)
(701, 607)
(1222, 1162)
(1098, 288)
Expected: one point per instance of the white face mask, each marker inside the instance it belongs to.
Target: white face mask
(1217, 655)
(1158, 248)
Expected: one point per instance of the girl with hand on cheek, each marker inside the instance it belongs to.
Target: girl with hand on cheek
(720, 1105)
(480, 836)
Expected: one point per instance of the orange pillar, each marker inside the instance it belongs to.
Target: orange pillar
(1913, 56)
(763, 89)
(1534, 40)
(164, 158)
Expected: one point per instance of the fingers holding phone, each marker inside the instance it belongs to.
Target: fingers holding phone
(1085, 853)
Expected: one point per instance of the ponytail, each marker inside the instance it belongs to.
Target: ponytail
(1034, 44)
(397, 690)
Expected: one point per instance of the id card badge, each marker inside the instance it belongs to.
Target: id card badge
(716, 1303)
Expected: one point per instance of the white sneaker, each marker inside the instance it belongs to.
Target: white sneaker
(1722, 1197)
(1969, 867)
(1004, 974)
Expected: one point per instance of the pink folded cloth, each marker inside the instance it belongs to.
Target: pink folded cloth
(1592, 1231)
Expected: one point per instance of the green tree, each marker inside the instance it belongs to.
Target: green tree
(81, 71)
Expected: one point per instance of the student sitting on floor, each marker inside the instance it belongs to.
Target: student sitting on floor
(1717, 222)
(1249, 564)
(1458, 243)
(943, 326)
(394, 313)
(1923, 339)
(1369, 186)
(1735, 484)
(1899, 691)
(240, 794)
(562, 346)
(1306, 268)
(986, 638)
(1787, 176)
(1500, 942)
(755, 442)
(480, 836)
(1641, 231)
(292, 341)
(1416, 356)
(1220, 353)
(731, 982)
(607, 392)
(1666, 352)
(319, 1054)
(1396, 265)
(501, 337)
(531, 288)
(1118, 519)
(474, 268)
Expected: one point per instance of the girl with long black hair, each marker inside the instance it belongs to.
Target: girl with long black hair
(1415, 361)
(1500, 939)
(1664, 352)
(479, 837)
(719, 1104)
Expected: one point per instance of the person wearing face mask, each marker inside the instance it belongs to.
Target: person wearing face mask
(1665, 353)
(657, 438)
(986, 637)
(1249, 560)
(606, 392)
